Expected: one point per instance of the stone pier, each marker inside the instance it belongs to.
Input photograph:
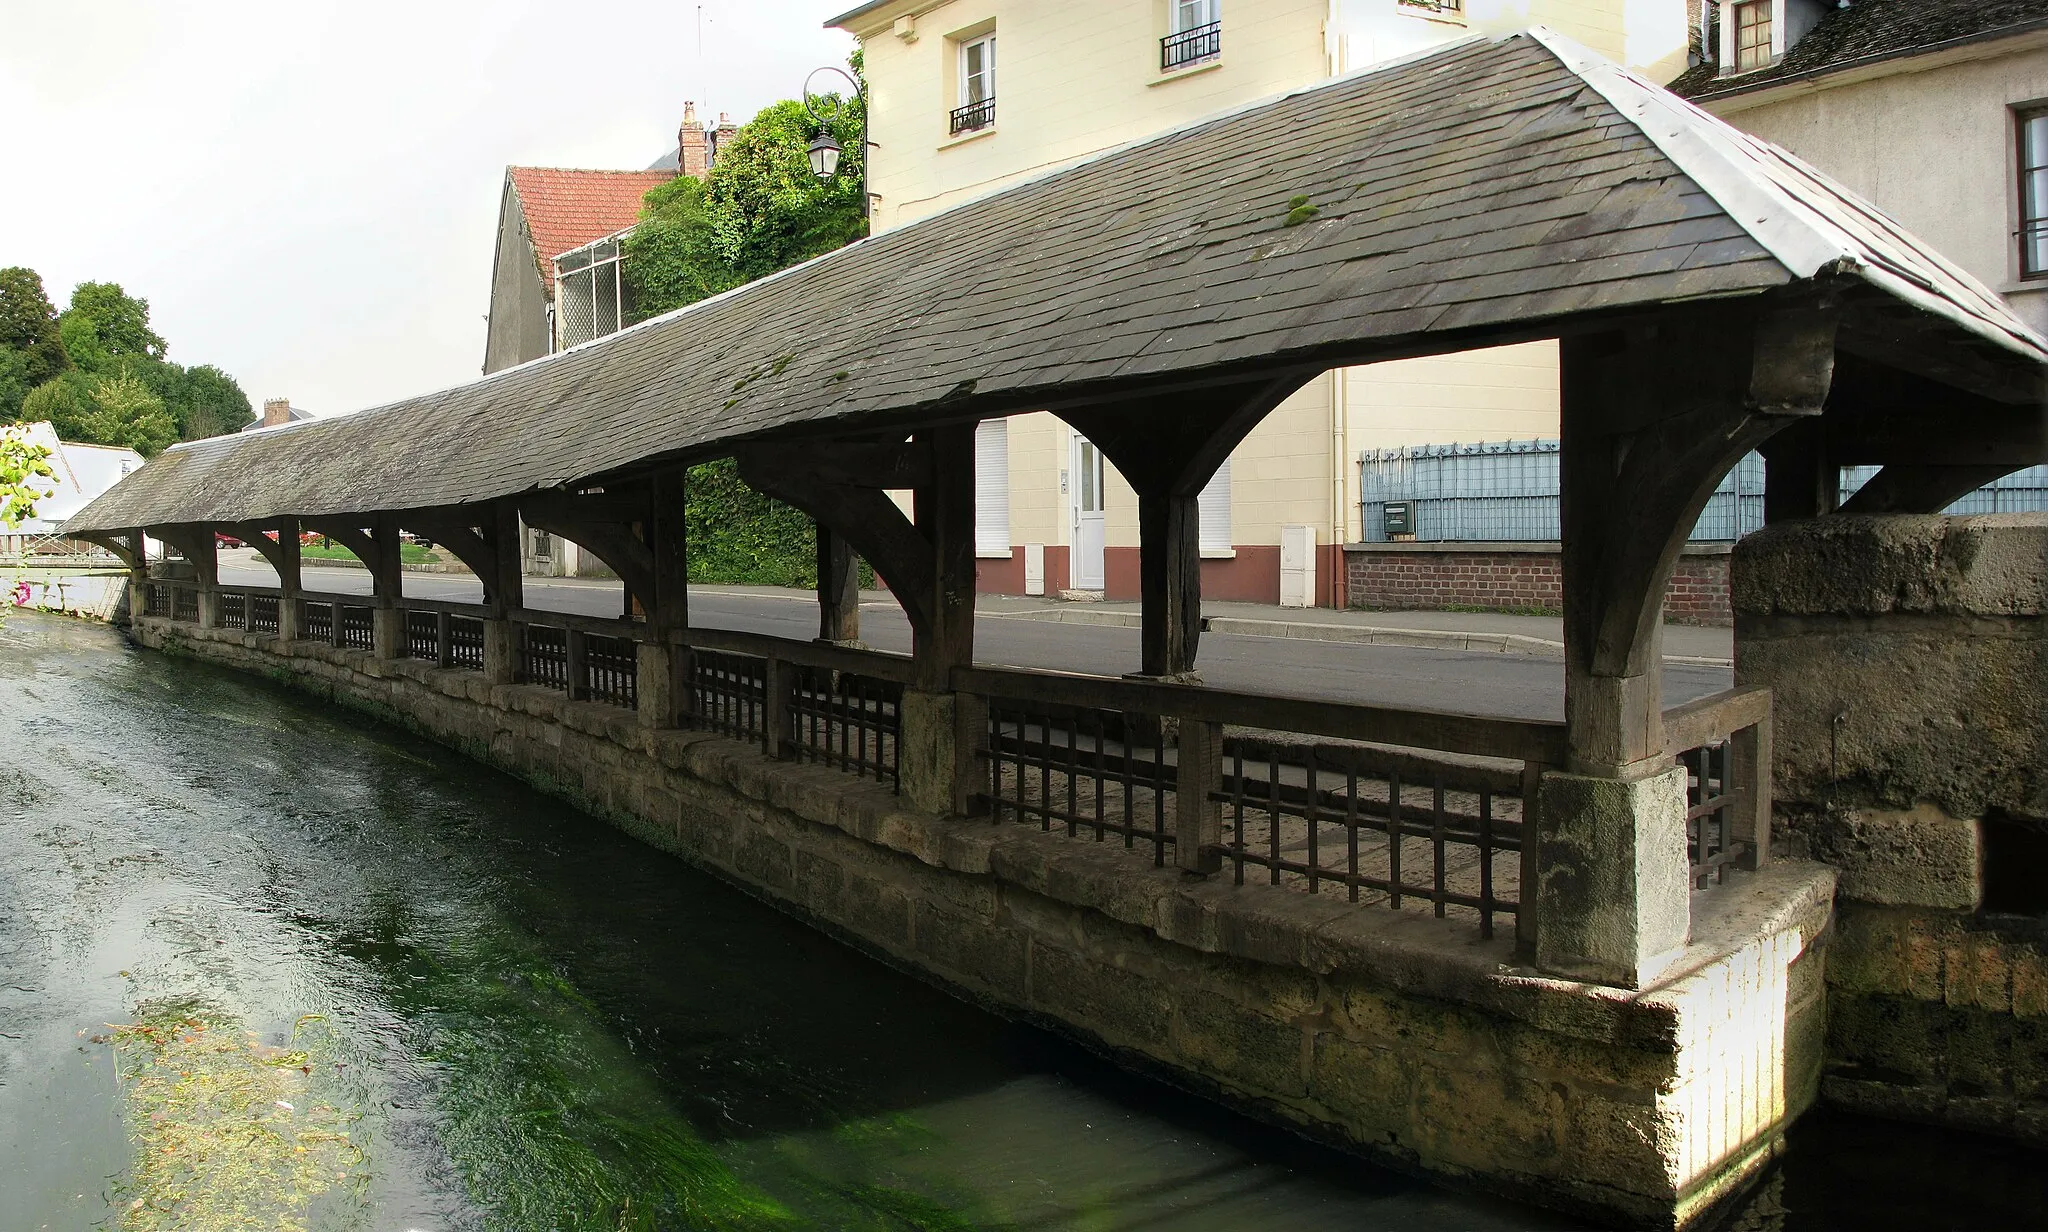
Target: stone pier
(1909, 657)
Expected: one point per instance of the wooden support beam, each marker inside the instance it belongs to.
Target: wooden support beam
(606, 525)
(359, 538)
(387, 575)
(125, 547)
(1652, 420)
(1921, 489)
(945, 520)
(198, 545)
(1168, 448)
(1800, 479)
(505, 589)
(668, 543)
(838, 588)
(469, 545)
(864, 517)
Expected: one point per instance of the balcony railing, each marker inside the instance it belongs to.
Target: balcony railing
(1191, 46)
(974, 116)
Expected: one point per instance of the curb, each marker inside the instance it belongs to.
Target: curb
(1322, 631)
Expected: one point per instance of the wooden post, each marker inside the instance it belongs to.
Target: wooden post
(1799, 482)
(290, 581)
(504, 594)
(778, 681)
(1170, 576)
(838, 589)
(664, 658)
(444, 640)
(335, 634)
(1197, 815)
(945, 518)
(576, 667)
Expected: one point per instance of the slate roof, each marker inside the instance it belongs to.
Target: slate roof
(1870, 31)
(568, 207)
(1481, 191)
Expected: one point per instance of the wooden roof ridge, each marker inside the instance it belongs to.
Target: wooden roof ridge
(1488, 190)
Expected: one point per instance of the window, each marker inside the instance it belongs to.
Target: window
(992, 488)
(1195, 34)
(1213, 512)
(591, 299)
(977, 109)
(2033, 166)
(1752, 34)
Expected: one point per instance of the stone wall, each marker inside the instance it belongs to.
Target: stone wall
(1513, 577)
(1390, 1033)
(1908, 657)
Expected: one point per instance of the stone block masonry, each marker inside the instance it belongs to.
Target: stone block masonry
(1513, 577)
(1392, 1034)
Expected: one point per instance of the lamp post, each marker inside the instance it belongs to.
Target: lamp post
(825, 150)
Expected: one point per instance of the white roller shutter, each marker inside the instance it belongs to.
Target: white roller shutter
(1214, 505)
(992, 488)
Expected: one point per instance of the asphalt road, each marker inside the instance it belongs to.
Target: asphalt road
(1470, 682)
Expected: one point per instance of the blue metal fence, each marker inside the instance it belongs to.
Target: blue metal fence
(1507, 491)
(2020, 492)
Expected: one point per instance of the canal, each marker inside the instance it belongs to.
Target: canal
(268, 964)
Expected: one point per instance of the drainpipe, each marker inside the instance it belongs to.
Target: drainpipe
(1340, 479)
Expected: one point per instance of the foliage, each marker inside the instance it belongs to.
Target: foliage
(760, 209)
(115, 407)
(202, 401)
(230, 1133)
(105, 324)
(28, 329)
(20, 462)
(16, 380)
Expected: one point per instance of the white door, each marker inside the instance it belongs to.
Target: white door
(1086, 489)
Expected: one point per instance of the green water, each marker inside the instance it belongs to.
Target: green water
(523, 1020)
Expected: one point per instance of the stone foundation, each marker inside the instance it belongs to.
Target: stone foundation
(1393, 1034)
(1908, 657)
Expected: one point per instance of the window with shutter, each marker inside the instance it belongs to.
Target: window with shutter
(1214, 507)
(992, 488)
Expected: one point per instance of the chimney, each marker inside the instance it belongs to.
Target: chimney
(276, 411)
(692, 158)
(726, 128)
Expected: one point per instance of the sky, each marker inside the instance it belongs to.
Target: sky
(307, 193)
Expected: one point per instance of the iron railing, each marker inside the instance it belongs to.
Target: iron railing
(974, 116)
(544, 657)
(1190, 46)
(847, 720)
(263, 612)
(317, 621)
(1723, 742)
(233, 610)
(185, 604)
(423, 635)
(1089, 771)
(610, 671)
(355, 627)
(156, 599)
(1396, 828)
(729, 692)
(465, 643)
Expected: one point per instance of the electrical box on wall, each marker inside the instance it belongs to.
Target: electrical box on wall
(1397, 519)
(1034, 568)
(1297, 566)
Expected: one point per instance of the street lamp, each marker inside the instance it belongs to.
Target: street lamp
(826, 149)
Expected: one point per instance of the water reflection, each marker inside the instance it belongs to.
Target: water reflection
(536, 1022)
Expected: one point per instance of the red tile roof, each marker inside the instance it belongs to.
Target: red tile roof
(567, 208)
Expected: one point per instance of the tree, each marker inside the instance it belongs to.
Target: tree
(116, 407)
(760, 209)
(209, 403)
(105, 324)
(28, 327)
(15, 383)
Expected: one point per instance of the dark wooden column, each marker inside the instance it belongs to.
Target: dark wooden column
(945, 518)
(668, 607)
(387, 575)
(504, 587)
(1168, 448)
(838, 588)
(1799, 479)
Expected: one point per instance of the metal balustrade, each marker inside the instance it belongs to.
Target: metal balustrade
(355, 627)
(317, 622)
(185, 604)
(1191, 46)
(156, 599)
(423, 635)
(1400, 829)
(233, 612)
(1089, 771)
(973, 117)
(847, 720)
(465, 643)
(1723, 743)
(544, 657)
(729, 692)
(610, 670)
(263, 614)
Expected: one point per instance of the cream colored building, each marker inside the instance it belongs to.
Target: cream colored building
(969, 96)
(1930, 109)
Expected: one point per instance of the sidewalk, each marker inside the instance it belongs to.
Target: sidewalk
(1485, 631)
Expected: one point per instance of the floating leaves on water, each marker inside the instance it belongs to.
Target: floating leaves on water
(221, 1141)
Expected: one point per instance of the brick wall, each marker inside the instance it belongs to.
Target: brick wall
(1512, 577)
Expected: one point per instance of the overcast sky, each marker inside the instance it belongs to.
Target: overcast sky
(307, 193)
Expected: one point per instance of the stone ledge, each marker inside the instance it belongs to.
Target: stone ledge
(1874, 565)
